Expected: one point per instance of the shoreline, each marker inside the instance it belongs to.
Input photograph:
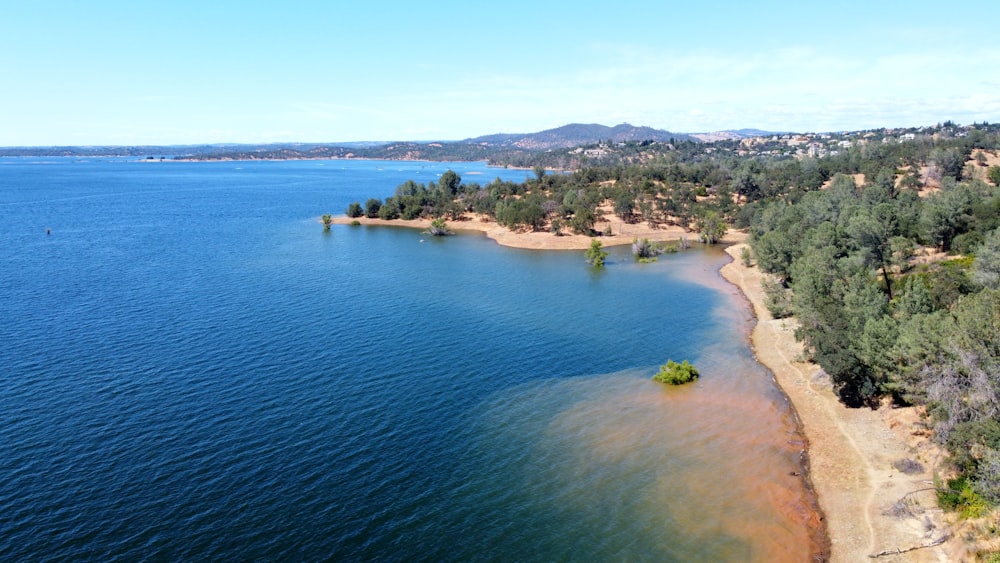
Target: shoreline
(623, 233)
(851, 451)
(324, 158)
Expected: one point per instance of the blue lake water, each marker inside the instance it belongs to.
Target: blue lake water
(191, 369)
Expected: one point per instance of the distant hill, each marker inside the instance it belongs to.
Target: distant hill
(577, 134)
(501, 147)
(119, 150)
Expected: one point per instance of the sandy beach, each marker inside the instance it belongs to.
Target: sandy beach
(870, 506)
(622, 233)
(873, 511)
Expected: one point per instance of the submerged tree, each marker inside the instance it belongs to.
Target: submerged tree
(596, 254)
(644, 250)
(439, 228)
(327, 221)
(673, 373)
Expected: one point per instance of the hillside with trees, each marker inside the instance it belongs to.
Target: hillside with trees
(578, 134)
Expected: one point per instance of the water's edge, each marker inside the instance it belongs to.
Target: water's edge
(820, 533)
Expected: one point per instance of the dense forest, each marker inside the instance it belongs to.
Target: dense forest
(885, 246)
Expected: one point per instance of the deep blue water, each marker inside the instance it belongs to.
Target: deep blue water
(191, 369)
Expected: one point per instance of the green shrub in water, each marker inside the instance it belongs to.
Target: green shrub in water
(673, 373)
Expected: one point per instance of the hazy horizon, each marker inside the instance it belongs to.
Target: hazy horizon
(390, 141)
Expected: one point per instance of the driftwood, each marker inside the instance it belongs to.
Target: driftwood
(934, 543)
(901, 508)
(938, 489)
(897, 551)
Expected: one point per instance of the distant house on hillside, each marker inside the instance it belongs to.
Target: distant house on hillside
(816, 150)
(795, 141)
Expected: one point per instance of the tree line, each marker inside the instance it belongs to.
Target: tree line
(662, 193)
(883, 323)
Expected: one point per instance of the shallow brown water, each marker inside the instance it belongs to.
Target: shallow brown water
(718, 465)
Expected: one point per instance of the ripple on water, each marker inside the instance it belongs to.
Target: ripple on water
(194, 371)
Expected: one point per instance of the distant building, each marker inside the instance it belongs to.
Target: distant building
(795, 141)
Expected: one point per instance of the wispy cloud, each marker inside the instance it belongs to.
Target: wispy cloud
(789, 87)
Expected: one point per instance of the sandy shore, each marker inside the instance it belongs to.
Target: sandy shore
(622, 233)
(852, 451)
(870, 507)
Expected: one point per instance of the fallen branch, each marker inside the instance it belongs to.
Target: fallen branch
(897, 551)
(938, 489)
(901, 507)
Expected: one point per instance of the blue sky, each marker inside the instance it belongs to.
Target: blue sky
(103, 72)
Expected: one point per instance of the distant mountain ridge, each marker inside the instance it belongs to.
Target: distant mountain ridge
(576, 134)
(482, 147)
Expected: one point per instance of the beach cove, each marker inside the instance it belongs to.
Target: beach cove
(851, 451)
